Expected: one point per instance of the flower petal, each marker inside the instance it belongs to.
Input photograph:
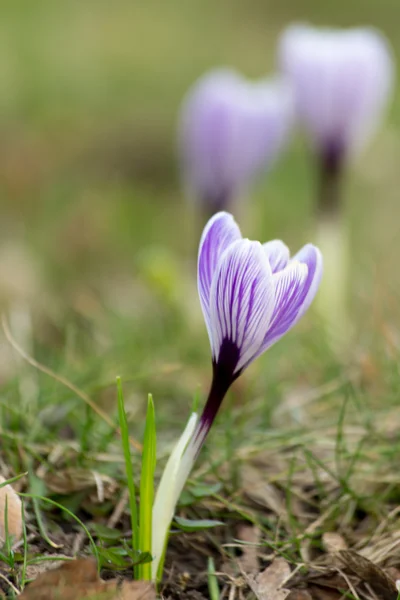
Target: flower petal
(311, 256)
(278, 254)
(207, 121)
(230, 130)
(295, 288)
(342, 80)
(241, 302)
(219, 233)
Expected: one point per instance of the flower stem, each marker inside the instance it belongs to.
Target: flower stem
(211, 204)
(333, 241)
(220, 384)
(330, 171)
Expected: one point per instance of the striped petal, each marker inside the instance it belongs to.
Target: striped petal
(311, 256)
(231, 130)
(342, 80)
(278, 254)
(220, 232)
(295, 288)
(241, 304)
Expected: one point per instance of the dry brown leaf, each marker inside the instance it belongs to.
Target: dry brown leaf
(14, 516)
(136, 590)
(323, 583)
(268, 584)
(83, 570)
(249, 561)
(71, 480)
(299, 595)
(326, 593)
(262, 492)
(333, 542)
(79, 580)
(369, 573)
(33, 571)
(393, 572)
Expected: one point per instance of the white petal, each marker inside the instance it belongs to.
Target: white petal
(219, 233)
(342, 80)
(241, 300)
(277, 253)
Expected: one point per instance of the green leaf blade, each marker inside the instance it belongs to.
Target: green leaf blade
(196, 525)
(123, 423)
(147, 489)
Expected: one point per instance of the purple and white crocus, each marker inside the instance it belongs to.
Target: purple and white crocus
(251, 295)
(342, 80)
(229, 131)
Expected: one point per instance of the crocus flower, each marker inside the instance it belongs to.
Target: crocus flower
(342, 81)
(230, 129)
(251, 295)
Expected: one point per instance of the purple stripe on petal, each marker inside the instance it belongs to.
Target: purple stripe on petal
(296, 287)
(289, 285)
(219, 233)
(278, 254)
(241, 301)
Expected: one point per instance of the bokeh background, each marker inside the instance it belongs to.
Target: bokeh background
(98, 245)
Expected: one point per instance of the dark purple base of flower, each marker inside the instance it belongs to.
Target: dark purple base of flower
(330, 170)
(213, 203)
(223, 377)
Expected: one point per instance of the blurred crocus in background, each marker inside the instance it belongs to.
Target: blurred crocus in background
(342, 81)
(229, 131)
(251, 294)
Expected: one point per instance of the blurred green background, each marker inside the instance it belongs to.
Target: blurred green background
(97, 246)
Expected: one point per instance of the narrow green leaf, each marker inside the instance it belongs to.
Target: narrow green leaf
(34, 497)
(37, 487)
(186, 498)
(147, 488)
(13, 479)
(105, 533)
(213, 587)
(202, 491)
(140, 557)
(112, 560)
(123, 424)
(196, 525)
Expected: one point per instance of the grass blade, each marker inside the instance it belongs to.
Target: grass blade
(123, 424)
(35, 497)
(213, 587)
(147, 488)
(36, 487)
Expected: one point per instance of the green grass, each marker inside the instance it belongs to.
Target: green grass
(147, 489)
(129, 472)
(98, 278)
